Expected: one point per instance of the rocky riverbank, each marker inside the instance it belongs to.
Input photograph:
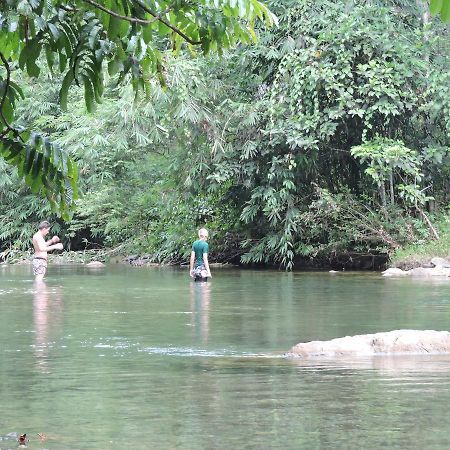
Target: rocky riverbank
(424, 267)
(434, 267)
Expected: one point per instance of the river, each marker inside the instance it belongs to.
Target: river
(143, 358)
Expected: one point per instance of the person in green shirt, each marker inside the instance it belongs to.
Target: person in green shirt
(199, 265)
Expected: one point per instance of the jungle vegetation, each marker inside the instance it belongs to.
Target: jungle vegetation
(326, 140)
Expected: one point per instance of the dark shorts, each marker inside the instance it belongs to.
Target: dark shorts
(200, 273)
(39, 265)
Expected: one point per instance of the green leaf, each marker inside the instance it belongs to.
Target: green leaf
(89, 95)
(113, 28)
(147, 33)
(37, 165)
(18, 90)
(54, 31)
(36, 184)
(163, 29)
(32, 55)
(49, 55)
(13, 150)
(29, 157)
(68, 79)
(62, 60)
(435, 6)
(445, 11)
(7, 111)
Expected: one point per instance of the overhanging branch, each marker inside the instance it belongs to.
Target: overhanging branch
(166, 23)
(5, 93)
(156, 17)
(119, 16)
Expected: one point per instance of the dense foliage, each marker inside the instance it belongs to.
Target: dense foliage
(329, 139)
(80, 39)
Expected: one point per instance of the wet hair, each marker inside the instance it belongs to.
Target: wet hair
(203, 232)
(44, 224)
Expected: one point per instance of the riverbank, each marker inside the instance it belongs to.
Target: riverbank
(418, 255)
(421, 254)
(96, 257)
(344, 261)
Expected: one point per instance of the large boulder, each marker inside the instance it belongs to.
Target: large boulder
(397, 342)
(440, 262)
(437, 271)
(95, 264)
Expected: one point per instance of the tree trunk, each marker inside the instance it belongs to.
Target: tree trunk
(382, 194)
(428, 221)
(391, 187)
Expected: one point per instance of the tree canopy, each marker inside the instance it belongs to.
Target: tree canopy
(87, 40)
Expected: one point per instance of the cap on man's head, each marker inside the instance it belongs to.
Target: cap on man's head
(203, 232)
(44, 224)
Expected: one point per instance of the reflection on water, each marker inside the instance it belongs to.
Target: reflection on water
(144, 358)
(200, 302)
(384, 364)
(47, 315)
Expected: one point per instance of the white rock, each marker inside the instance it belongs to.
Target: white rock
(429, 272)
(440, 262)
(394, 272)
(397, 342)
(95, 264)
(419, 272)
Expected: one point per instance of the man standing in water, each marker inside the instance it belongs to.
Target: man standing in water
(41, 247)
(199, 265)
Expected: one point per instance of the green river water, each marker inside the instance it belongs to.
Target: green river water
(143, 358)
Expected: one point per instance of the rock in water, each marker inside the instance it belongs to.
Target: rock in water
(422, 272)
(397, 342)
(95, 264)
(440, 262)
(393, 272)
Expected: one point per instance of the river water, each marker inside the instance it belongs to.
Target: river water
(143, 358)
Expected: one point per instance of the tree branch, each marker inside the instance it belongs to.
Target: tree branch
(119, 16)
(66, 8)
(5, 93)
(165, 22)
(428, 221)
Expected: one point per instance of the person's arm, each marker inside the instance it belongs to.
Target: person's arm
(53, 240)
(191, 265)
(58, 246)
(43, 246)
(205, 260)
(53, 244)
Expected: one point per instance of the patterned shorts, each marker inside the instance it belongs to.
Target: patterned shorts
(39, 266)
(200, 273)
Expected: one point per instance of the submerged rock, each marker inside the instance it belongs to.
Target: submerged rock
(397, 342)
